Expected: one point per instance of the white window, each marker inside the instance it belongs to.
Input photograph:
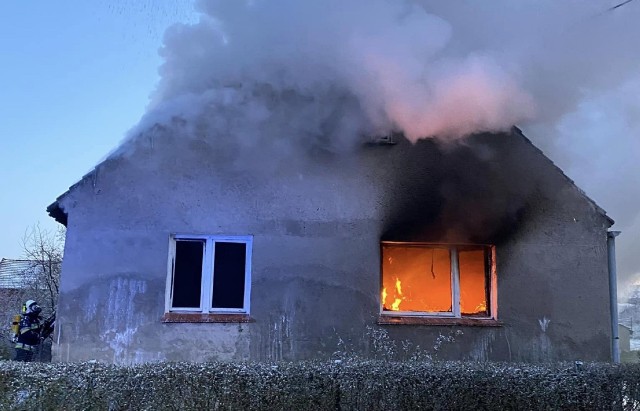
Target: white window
(438, 280)
(209, 274)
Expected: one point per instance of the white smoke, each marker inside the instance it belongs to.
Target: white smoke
(386, 60)
(602, 136)
(580, 62)
(291, 72)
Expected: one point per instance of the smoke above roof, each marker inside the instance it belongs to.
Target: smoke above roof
(290, 73)
(333, 68)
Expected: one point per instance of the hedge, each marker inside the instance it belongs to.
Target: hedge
(347, 385)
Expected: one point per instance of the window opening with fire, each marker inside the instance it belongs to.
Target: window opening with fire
(438, 280)
(209, 274)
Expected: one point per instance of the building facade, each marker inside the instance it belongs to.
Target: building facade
(183, 250)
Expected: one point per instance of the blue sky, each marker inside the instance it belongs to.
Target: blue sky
(74, 77)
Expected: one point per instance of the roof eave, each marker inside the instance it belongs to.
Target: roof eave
(57, 213)
(598, 209)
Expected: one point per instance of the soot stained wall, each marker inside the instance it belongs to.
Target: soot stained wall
(317, 222)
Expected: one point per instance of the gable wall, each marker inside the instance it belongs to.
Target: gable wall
(317, 221)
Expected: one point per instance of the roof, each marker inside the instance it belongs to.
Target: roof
(625, 326)
(15, 273)
(55, 211)
(600, 210)
(58, 213)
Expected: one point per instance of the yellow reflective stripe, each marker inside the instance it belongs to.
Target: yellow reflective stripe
(30, 328)
(25, 346)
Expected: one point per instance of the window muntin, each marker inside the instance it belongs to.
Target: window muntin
(437, 280)
(209, 274)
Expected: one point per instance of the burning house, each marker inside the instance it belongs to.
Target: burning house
(178, 251)
(250, 215)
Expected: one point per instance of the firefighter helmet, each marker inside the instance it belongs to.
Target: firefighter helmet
(32, 307)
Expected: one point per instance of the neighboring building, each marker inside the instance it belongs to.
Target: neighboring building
(482, 250)
(16, 274)
(629, 313)
(22, 280)
(17, 278)
(624, 333)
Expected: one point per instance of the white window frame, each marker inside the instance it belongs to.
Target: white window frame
(455, 282)
(207, 273)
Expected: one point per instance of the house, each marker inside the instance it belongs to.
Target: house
(628, 314)
(28, 279)
(16, 274)
(625, 334)
(15, 278)
(18, 280)
(482, 250)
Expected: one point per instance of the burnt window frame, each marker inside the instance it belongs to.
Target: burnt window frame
(207, 274)
(455, 314)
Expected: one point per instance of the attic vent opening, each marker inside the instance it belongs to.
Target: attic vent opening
(386, 139)
(389, 139)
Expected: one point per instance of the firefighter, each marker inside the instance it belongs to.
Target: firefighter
(29, 331)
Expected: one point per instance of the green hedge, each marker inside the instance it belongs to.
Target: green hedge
(349, 385)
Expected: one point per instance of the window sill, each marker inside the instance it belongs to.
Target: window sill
(474, 322)
(205, 318)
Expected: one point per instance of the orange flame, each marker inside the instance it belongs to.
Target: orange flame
(396, 303)
(384, 297)
(395, 306)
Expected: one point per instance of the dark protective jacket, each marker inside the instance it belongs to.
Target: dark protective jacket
(29, 335)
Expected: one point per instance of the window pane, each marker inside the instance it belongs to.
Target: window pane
(229, 275)
(187, 273)
(416, 279)
(473, 282)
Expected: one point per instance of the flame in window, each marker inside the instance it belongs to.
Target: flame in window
(395, 306)
(420, 279)
(416, 279)
(396, 303)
